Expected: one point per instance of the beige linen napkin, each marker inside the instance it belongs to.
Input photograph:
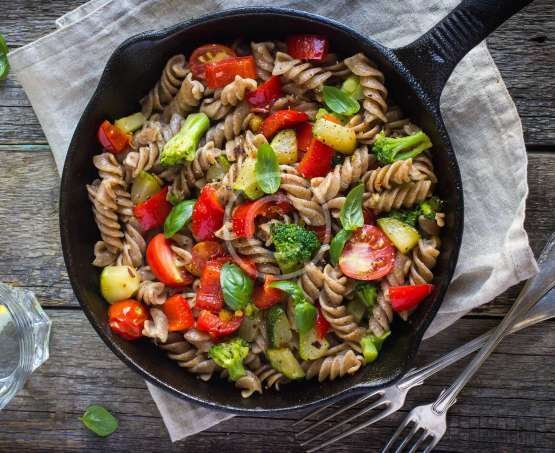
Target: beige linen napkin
(482, 121)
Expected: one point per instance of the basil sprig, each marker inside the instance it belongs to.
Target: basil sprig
(236, 286)
(99, 420)
(339, 101)
(267, 169)
(305, 312)
(351, 215)
(4, 65)
(338, 244)
(177, 218)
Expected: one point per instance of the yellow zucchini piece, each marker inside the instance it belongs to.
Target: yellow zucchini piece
(340, 138)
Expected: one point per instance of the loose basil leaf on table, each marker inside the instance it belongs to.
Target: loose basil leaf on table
(177, 218)
(267, 169)
(291, 288)
(4, 65)
(99, 420)
(338, 244)
(236, 286)
(351, 215)
(339, 101)
(305, 316)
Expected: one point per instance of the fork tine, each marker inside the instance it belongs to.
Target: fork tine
(353, 430)
(407, 438)
(432, 444)
(311, 414)
(376, 404)
(396, 434)
(419, 441)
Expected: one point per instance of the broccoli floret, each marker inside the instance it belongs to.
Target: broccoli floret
(367, 294)
(390, 149)
(430, 207)
(183, 145)
(410, 217)
(230, 355)
(294, 245)
(371, 346)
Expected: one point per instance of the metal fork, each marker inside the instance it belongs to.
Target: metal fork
(431, 420)
(392, 398)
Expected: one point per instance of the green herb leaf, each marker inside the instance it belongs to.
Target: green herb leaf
(99, 420)
(236, 286)
(305, 316)
(340, 102)
(4, 65)
(267, 169)
(351, 215)
(338, 244)
(291, 288)
(177, 218)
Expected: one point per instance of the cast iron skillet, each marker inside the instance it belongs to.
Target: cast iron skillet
(415, 76)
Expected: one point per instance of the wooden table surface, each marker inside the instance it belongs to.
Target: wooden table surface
(509, 406)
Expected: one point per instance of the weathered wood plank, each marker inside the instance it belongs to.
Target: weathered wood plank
(30, 254)
(522, 48)
(495, 412)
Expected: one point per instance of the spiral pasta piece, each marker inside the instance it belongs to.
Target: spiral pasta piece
(343, 175)
(269, 377)
(109, 168)
(254, 249)
(234, 123)
(104, 255)
(338, 68)
(303, 75)
(311, 281)
(187, 98)
(156, 327)
(188, 357)
(365, 126)
(298, 103)
(142, 160)
(200, 340)
(165, 89)
(432, 227)
(263, 53)
(152, 293)
(103, 198)
(248, 384)
(134, 246)
(299, 193)
(424, 259)
(405, 196)
(332, 367)
(384, 178)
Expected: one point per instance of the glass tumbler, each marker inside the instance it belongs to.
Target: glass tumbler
(24, 337)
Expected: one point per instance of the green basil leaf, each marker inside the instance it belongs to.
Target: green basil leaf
(291, 288)
(340, 102)
(99, 420)
(236, 286)
(337, 244)
(351, 215)
(266, 168)
(177, 218)
(305, 316)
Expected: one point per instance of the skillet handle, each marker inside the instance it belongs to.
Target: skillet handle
(432, 57)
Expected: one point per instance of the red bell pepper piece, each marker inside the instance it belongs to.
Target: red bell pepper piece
(308, 47)
(153, 212)
(244, 215)
(282, 119)
(163, 263)
(248, 265)
(322, 325)
(126, 318)
(317, 161)
(208, 53)
(179, 313)
(112, 138)
(304, 137)
(208, 214)
(209, 294)
(215, 326)
(266, 93)
(222, 72)
(407, 297)
(264, 296)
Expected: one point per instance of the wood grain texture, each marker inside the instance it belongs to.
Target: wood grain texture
(522, 48)
(495, 412)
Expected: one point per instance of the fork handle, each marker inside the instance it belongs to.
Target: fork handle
(533, 290)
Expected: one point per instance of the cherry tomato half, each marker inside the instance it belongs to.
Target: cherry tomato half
(368, 255)
(209, 53)
(215, 325)
(126, 318)
(112, 138)
(163, 263)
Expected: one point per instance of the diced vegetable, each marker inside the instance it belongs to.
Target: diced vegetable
(282, 119)
(357, 309)
(118, 283)
(209, 295)
(266, 93)
(305, 316)
(230, 355)
(162, 261)
(391, 149)
(340, 102)
(178, 217)
(266, 296)
(308, 47)
(367, 294)
(304, 137)
(268, 176)
(284, 145)
(311, 346)
(322, 325)
(371, 346)
(183, 145)
(403, 236)
(203, 252)
(112, 139)
(246, 180)
(220, 73)
(97, 418)
(277, 327)
(368, 255)
(130, 123)
(179, 314)
(244, 216)
(152, 213)
(217, 327)
(126, 318)
(144, 186)
(236, 286)
(285, 362)
(208, 214)
(408, 297)
(338, 137)
(316, 161)
(209, 53)
(351, 86)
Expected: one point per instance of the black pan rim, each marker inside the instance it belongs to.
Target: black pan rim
(154, 36)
